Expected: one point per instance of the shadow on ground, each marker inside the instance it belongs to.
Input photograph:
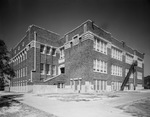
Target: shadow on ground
(8, 100)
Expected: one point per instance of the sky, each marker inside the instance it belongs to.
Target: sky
(127, 20)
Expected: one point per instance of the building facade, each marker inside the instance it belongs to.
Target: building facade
(84, 59)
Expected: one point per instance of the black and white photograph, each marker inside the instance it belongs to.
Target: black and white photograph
(74, 58)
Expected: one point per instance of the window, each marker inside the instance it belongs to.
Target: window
(15, 51)
(76, 39)
(48, 49)
(26, 71)
(139, 63)
(25, 55)
(18, 47)
(116, 70)
(100, 66)
(48, 70)
(53, 70)
(42, 49)
(62, 53)
(100, 46)
(17, 73)
(100, 85)
(21, 73)
(126, 72)
(139, 75)
(54, 51)
(85, 28)
(116, 53)
(20, 58)
(42, 68)
(66, 38)
(129, 59)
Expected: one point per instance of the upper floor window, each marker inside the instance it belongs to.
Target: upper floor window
(100, 46)
(75, 39)
(116, 53)
(62, 53)
(126, 72)
(139, 63)
(129, 59)
(54, 51)
(139, 75)
(15, 51)
(116, 70)
(100, 66)
(66, 38)
(48, 50)
(42, 49)
(53, 70)
(85, 28)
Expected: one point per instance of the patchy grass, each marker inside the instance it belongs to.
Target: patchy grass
(140, 108)
(13, 108)
(79, 96)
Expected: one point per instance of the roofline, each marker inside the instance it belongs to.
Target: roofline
(77, 27)
(21, 39)
(44, 29)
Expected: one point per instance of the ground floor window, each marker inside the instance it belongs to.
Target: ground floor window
(115, 86)
(100, 85)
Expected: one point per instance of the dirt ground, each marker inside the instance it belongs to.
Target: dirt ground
(13, 108)
(114, 104)
(140, 108)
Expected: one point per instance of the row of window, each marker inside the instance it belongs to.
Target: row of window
(47, 69)
(47, 50)
(129, 59)
(19, 47)
(100, 46)
(21, 73)
(116, 70)
(100, 66)
(139, 75)
(139, 63)
(20, 83)
(115, 86)
(116, 54)
(100, 85)
(21, 57)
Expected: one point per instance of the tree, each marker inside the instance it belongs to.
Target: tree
(5, 68)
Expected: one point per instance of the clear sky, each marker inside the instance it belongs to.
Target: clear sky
(127, 20)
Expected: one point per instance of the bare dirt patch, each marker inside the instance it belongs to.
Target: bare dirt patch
(140, 108)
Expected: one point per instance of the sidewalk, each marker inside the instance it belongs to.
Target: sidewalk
(72, 109)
